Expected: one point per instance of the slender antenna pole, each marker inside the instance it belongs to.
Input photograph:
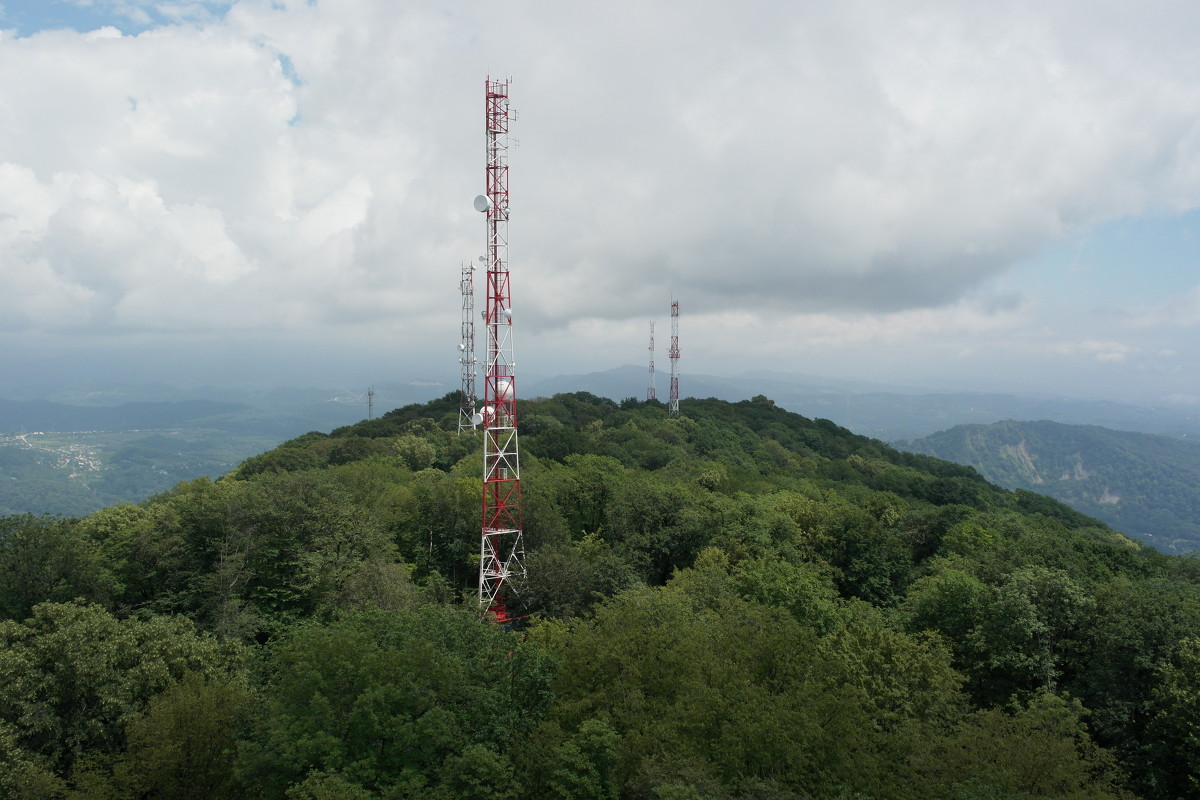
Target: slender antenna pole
(651, 391)
(673, 408)
(467, 418)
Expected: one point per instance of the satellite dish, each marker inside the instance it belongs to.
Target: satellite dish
(483, 203)
(508, 314)
(482, 258)
(504, 390)
(476, 418)
(462, 347)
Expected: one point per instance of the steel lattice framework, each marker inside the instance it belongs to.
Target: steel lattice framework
(673, 408)
(651, 391)
(466, 352)
(501, 549)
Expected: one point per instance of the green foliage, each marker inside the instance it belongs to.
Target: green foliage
(1037, 750)
(566, 580)
(380, 697)
(806, 590)
(703, 687)
(184, 743)
(43, 559)
(72, 676)
(322, 786)
(578, 766)
(1024, 630)
(25, 775)
(1175, 730)
(144, 549)
(737, 602)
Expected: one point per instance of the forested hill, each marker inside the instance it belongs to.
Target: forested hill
(735, 603)
(1144, 485)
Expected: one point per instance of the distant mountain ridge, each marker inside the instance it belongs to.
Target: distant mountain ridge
(1144, 485)
(883, 411)
(101, 445)
(45, 415)
(240, 422)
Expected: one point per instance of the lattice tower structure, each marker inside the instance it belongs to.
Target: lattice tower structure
(467, 363)
(651, 390)
(673, 407)
(501, 549)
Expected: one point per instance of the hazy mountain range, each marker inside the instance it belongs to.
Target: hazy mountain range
(1141, 484)
(889, 412)
(101, 444)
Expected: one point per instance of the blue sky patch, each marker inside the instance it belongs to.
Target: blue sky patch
(131, 17)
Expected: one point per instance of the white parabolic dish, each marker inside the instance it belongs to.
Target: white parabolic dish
(483, 203)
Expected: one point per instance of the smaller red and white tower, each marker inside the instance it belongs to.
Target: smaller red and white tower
(673, 408)
(651, 390)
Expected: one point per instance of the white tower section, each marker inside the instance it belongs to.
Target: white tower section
(673, 407)
(467, 418)
(651, 390)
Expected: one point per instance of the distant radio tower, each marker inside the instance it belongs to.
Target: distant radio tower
(501, 553)
(371, 403)
(466, 352)
(673, 408)
(651, 392)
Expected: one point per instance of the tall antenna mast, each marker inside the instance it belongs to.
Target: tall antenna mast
(673, 408)
(501, 552)
(371, 403)
(651, 391)
(467, 418)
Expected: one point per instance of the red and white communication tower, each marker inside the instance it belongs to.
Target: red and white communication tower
(501, 554)
(651, 391)
(673, 408)
(466, 352)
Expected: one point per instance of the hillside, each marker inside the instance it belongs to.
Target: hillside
(75, 458)
(74, 473)
(736, 603)
(1143, 485)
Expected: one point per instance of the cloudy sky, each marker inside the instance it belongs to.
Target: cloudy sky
(952, 194)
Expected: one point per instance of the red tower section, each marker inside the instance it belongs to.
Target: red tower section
(501, 551)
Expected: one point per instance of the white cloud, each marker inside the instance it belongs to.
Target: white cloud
(1099, 351)
(147, 12)
(850, 175)
(1182, 311)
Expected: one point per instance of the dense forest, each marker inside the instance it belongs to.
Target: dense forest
(1143, 485)
(738, 602)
